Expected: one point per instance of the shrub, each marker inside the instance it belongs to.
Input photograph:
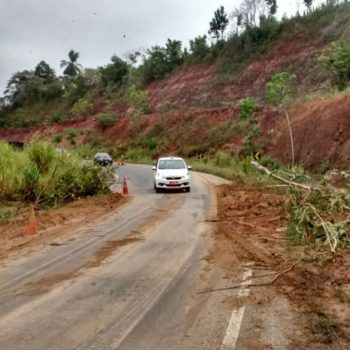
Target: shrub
(138, 99)
(12, 166)
(56, 117)
(41, 153)
(57, 138)
(223, 159)
(151, 143)
(247, 107)
(71, 135)
(336, 62)
(166, 106)
(82, 107)
(106, 120)
(41, 174)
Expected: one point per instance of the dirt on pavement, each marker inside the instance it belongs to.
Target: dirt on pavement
(54, 223)
(251, 230)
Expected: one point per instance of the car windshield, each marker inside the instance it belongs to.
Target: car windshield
(102, 155)
(171, 164)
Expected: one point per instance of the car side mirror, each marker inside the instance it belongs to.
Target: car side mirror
(154, 167)
(189, 167)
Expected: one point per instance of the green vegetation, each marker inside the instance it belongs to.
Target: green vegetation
(249, 146)
(336, 62)
(115, 73)
(40, 174)
(312, 214)
(199, 48)
(138, 100)
(82, 107)
(218, 24)
(57, 138)
(326, 328)
(319, 212)
(278, 90)
(106, 120)
(71, 67)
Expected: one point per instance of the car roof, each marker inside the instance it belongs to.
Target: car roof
(170, 158)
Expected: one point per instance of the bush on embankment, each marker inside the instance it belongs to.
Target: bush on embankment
(40, 173)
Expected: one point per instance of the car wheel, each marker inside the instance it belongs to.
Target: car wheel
(188, 189)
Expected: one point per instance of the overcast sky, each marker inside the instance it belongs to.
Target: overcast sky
(35, 30)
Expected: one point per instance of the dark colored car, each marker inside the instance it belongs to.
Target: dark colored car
(103, 158)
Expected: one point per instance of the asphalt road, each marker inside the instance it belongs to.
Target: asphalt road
(141, 295)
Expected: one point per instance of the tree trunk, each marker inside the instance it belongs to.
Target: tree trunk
(290, 135)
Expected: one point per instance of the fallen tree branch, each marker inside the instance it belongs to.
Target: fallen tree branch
(279, 178)
(278, 275)
(331, 235)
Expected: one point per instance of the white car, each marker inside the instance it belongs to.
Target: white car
(171, 173)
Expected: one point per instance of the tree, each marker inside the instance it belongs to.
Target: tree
(160, 61)
(277, 92)
(26, 87)
(72, 67)
(115, 72)
(87, 81)
(218, 24)
(45, 72)
(273, 6)
(16, 87)
(132, 57)
(199, 48)
(155, 65)
(250, 11)
(308, 4)
(174, 54)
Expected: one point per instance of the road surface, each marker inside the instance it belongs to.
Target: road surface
(131, 282)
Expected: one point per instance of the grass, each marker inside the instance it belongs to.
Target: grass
(229, 167)
(342, 295)
(39, 173)
(326, 328)
(7, 212)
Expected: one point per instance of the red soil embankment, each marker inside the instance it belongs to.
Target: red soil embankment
(321, 131)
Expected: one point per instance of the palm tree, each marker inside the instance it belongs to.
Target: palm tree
(72, 68)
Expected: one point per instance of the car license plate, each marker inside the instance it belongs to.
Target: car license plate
(173, 183)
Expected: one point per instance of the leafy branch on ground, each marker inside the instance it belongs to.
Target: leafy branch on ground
(317, 211)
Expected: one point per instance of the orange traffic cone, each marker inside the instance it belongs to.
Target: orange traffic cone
(32, 227)
(125, 186)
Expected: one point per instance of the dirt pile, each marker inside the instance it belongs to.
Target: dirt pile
(251, 226)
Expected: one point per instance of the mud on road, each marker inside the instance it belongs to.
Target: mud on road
(54, 223)
(250, 230)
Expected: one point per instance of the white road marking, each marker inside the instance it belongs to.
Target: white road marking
(234, 325)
